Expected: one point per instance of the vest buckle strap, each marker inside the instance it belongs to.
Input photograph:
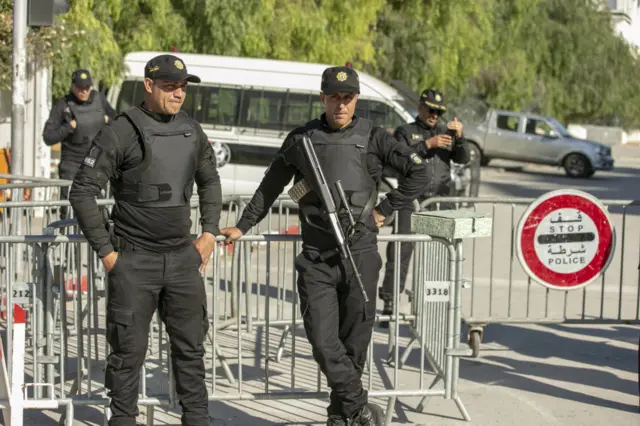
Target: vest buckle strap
(155, 192)
(143, 193)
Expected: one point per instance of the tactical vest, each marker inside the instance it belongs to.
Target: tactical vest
(89, 119)
(342, 156)
(166, 174)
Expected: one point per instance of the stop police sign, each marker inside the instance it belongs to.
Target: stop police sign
(565, 239)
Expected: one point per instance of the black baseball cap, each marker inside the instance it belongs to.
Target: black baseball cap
(340, 79)
(168, 67)
(81, 77)
(433, 99)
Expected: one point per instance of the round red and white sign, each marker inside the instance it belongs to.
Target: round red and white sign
(565, 239)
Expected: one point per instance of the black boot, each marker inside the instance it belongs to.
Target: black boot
(386, 310)
(336, 420)
(369, 415)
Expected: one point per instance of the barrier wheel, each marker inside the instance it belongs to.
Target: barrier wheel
(474, 342)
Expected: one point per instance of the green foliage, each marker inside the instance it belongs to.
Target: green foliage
(80, 40)
(6, 37)
(555, 57)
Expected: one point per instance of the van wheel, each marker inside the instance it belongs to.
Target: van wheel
(577, 166)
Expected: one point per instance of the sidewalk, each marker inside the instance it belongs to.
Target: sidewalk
(525, 376)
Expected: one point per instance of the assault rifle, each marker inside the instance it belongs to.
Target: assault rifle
(321, 187)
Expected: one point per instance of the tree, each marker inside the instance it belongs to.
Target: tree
(528, 55)
(6, 39)
(327, 31)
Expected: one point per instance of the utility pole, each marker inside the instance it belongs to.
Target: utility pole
(18, 85)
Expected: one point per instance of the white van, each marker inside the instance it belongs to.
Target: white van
(247, 107)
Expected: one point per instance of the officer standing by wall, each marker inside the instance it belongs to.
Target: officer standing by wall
(152, 154)
(337, 320)
(428, 138)
(75, 120)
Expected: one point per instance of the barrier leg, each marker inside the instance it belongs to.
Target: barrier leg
(150, 411)
(69, 415)
(388, 415)
(5, 384)
(16, 399)
(407, 352)
(424, 400)
(462, 408)
(283, 342)
(222, 359)
(107, 415)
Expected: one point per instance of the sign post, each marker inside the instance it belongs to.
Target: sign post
(565, 239)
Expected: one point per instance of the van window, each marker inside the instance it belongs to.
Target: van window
(317, 108)
(125, 97)
(131, 94)
(296, 110)
(220, 105)
(257, 108)
(262, 109)
(190, 105)
(379, 113)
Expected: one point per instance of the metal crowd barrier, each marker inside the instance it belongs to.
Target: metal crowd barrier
(252, 296)
(502, 293)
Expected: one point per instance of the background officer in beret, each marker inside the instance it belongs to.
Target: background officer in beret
(152, 154)
(428, 137)
(337, 320)
(75, 120)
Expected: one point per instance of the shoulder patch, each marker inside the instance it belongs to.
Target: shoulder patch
(92, 157)
(415, 158)
(416, 136)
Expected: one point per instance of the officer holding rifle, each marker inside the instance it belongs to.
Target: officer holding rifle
(337, 162)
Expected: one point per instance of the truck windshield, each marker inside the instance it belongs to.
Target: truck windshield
(559, 127)
(408, 105)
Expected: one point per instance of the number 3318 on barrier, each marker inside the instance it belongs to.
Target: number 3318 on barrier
(436, 291)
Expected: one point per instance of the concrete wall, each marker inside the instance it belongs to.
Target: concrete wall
(606, 135)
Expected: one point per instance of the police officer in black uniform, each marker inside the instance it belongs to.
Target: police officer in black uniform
(75, 120)
(337, 321)
(438, 144)
(152, 154)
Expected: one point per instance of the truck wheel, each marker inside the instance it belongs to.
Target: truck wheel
(577, 166)
(475, 154)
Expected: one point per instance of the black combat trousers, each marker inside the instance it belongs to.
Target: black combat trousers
(337, 323)
(139, 282)
(406, 251)
(66, 170)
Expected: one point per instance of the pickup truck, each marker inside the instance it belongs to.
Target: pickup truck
(535, 139)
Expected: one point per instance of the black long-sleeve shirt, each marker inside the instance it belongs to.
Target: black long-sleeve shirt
(383, 150)
(57, 128)
(117, 148)
(437, 159)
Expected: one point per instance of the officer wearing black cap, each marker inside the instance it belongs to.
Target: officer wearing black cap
(152, 154)
(337, 320)
(428, 137)
(75, 120)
